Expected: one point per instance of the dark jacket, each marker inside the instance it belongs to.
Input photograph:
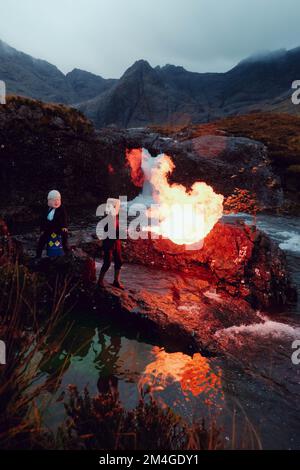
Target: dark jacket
(110, 242)
(57, 224)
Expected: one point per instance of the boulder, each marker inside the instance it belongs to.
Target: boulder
(237, 259)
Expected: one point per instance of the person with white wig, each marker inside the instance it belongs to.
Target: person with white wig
(111, 246)
(54, 230)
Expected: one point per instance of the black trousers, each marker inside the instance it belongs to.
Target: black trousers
(44, 239)
(111, 250)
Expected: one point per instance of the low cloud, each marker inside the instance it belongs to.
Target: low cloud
(107, 37)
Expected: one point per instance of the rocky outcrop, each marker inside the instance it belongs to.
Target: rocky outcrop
(43, 147)
(54, 146)
(229, 164)
(239, 260)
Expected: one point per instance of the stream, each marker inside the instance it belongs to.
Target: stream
(253, 397)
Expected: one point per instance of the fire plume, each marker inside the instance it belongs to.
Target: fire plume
(184, 216)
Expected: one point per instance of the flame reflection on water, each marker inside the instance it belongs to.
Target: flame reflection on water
(194, 375)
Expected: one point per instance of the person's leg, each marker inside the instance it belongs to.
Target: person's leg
(118, 264)
(41, 243)
(107, 257)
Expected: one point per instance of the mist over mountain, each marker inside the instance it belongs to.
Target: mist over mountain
(158, 95)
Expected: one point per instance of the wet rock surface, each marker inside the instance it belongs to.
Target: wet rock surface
(189, 323)
(237, 270)
(237, 259)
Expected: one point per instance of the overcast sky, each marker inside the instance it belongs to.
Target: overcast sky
(107, 36)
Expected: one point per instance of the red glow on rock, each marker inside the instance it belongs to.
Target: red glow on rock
(134, 161)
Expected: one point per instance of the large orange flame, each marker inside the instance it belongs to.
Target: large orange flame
(185, 216)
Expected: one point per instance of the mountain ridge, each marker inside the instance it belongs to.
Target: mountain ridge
(167, 94)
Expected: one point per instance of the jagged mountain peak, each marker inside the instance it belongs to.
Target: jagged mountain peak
(140, 66)
(141, 63)
(81, 72)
